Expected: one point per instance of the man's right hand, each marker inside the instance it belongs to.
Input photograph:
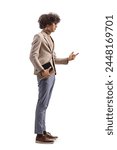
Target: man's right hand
(46, 72)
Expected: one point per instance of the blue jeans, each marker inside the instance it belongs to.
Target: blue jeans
(45, 90)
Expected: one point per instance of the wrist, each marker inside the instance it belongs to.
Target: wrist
(68, 59)
(42, 71)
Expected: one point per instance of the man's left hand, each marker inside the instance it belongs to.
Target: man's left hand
(72, 56)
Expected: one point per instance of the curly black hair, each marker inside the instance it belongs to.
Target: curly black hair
(48, 19)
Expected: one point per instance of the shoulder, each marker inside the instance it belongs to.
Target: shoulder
(37, 38)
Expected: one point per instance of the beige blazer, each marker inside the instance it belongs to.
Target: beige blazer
(42, 51)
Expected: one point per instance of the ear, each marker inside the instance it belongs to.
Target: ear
(46, 27)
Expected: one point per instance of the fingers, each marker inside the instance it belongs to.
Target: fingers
(76, 54)
(49, 68)
(72, 56)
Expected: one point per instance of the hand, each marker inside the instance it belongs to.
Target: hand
(72, 56)
(46, 72)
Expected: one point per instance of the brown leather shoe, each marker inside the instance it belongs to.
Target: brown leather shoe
(43, 139)
(49, 136)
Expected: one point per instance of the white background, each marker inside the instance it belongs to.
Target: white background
(77, 109)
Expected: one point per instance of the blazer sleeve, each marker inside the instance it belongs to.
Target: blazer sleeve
(34, 54)
(60, 60)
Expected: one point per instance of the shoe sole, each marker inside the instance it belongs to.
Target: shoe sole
(40, 142)
(53, 138)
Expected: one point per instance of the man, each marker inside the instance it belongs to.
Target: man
(43, 58)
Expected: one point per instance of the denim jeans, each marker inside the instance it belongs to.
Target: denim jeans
(45, 87)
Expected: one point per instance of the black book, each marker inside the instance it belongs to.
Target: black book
(47, 65)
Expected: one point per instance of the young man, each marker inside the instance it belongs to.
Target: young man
(43, 58)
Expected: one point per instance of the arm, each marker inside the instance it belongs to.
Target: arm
(34, 54)
(71, 57)
(60, 60)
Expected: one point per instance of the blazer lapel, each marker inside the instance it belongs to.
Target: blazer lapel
(48, 43)
(52, 42)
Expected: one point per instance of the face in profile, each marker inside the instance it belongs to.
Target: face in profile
(52, 27)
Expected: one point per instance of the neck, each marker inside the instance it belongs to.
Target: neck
(47, 31)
